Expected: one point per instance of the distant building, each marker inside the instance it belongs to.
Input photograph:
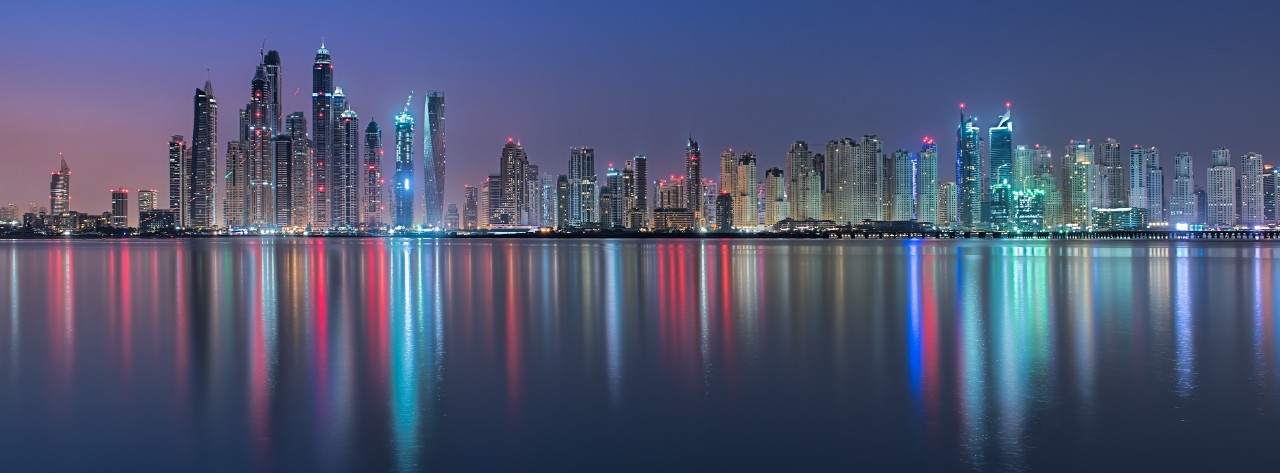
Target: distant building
(905, 170)
(371, 178)
(804, 182)
(745, 197)
(1270, 179)
(948, 205)
(60, 189)
(968, 172)
(202, 175)
(402, 195)
(236, 182)
(322, 121)
(451, 218)
(157, 220)
(1221, 191)
(179, 179)
(1182, 203)
(776, 206)
(1252, 191)
(120, 208)
(433, 158)
(470, 207)
(1029, 210)
(1002, 207)
(300, 170)
(927, 182)
(582, 187)
(724, 211)
(1000, 150)
(693, 175)
(1113, 189)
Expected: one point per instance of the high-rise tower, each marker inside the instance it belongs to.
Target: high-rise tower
(927, 183)
(433, 159)
(402, 198)
(1182, 202)
(693, 176)
(300, 187)
(1251, 191)
(1000, 149)
(60, 188)
(371, 206)
(179, 183)
(968, 171)
(322, 120)
(1115, 193)
(345, 196)
(582, 187)
(259, 194)
(203, 178)
(282, 152)
(513, 196)
(1221, 191)
(804, 187)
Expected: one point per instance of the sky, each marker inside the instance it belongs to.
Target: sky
(107, 83)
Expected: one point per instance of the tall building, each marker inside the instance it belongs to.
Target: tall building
(905, 175)
(582, 187)
(729, 172)
(693, 176)
(804, 184)
(433, 158)
(641, 203)
(1221, 191)
(724, 211)
(120, 208)
(927, 183)
(271, 71)
(745, 195)
(1138, 164)
(236, 183)
(776, 205)
(968, 171)
(147, 199)
(1000, 150)
(562, 201)
(838, 199)
(344, 197)
(203, 177)
(300, 188)
(491, 202)
(948, 206)
(708, 202)
(282, 150)
(1182, 202)
(1083, 190)
(1251, 191)
(513, 175)
(322, 120)
(1114, 189)
(670, 193)
(868, 180)
(60, 188)
(1155, 188)
(179, 178)
(1202, 206)
(470, 207)
(371, 179)
(1024, 168)
(451, 218)
(402, 196)
(610, 199)
(259, 195)
(1270, 178)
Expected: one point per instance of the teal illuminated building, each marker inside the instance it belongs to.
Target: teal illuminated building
(402, 198)
(968, 172)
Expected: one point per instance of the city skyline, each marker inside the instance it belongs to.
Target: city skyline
(605, 116)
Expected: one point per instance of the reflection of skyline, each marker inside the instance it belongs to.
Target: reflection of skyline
(295, 351)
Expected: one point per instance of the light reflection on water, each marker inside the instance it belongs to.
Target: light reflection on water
(404, 355)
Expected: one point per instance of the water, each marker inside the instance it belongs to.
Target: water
(613, 355)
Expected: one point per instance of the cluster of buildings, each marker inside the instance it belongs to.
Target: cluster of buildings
(323, 172)
(316, 172)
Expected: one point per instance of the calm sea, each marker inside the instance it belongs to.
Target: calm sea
(638, 355)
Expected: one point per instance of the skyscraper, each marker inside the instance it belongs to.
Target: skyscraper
(1270, 178)
(259, 194)
(641, 205)
(433, 158)
(60, 188)
(1115, 193)
(282, 151)
(120, 208)
(776, 206)
(1138, 165)
(271, 71)
(948, 207)
(1154, 184)
(202, 178)
(236, 182)
(729, 172)
(905, 174)
(1082, 182)
(322, 120)
(512, 167)
(402, 198)
(1182, 203)
(693, 176)
(745, 195)
(582, 187)
(1221, 191)
(927, 183)
(470, 207)
(838, 199)
(562, 201)
(371, 194)
(804, 186)
(179, 177)
(345, 195)
(1251, 191)
(868, 181)
(300, 187)
(968, 171)
(1000, 143)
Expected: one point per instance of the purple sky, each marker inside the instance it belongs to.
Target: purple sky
(107, 84)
